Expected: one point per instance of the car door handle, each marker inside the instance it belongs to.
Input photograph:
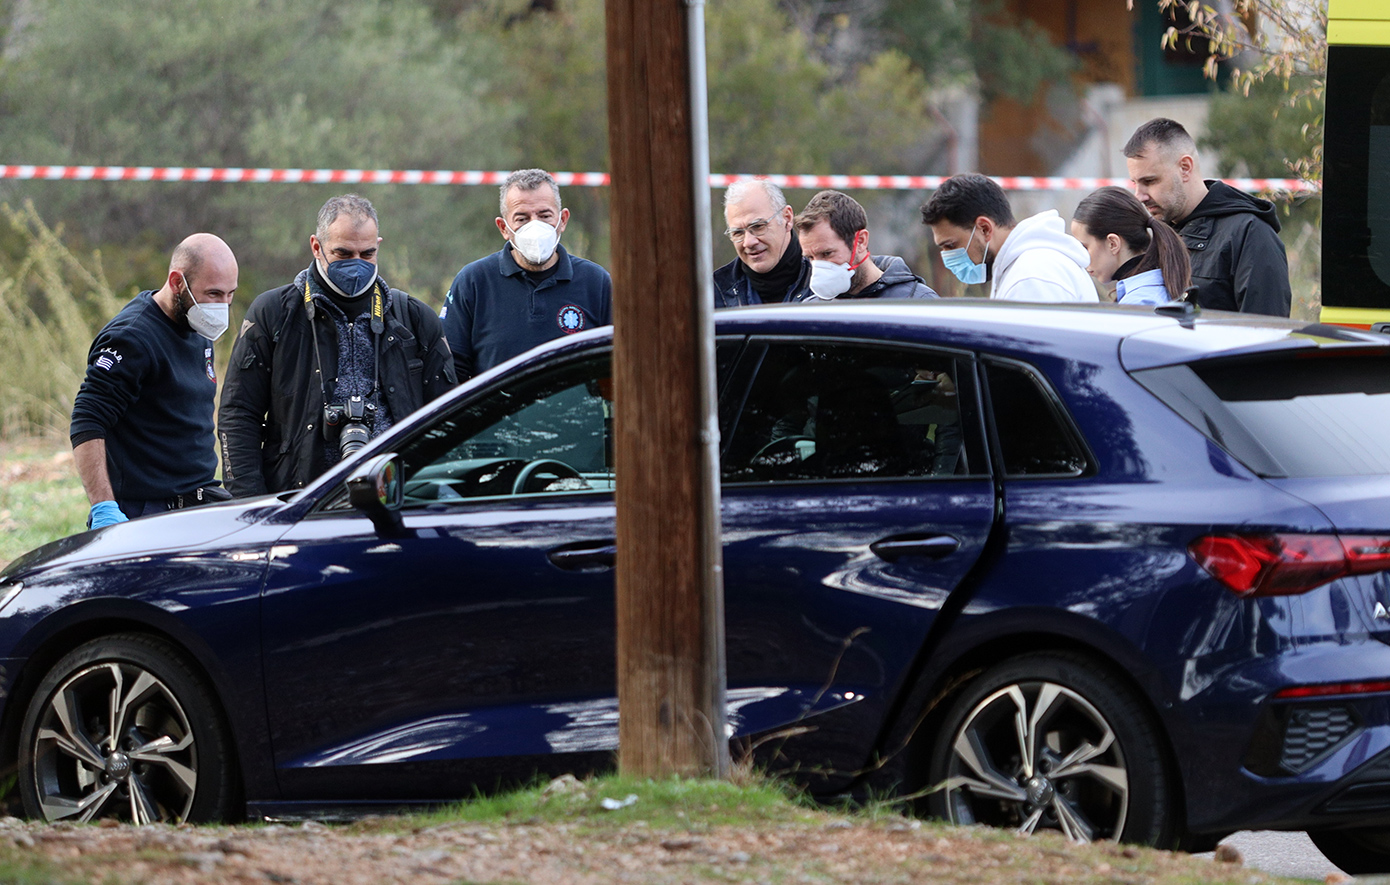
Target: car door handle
(930, 546)
(585, 556)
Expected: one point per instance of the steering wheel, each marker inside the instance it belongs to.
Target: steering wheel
(779, 452)
(542, 467)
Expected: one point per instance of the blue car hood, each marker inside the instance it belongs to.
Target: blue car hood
(196, 528)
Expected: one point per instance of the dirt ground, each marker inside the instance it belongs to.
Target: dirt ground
(50, 469)
(831, 849)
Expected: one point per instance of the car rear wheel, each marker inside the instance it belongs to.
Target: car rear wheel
(123, 728)
(1049, 741)
(1358, 852)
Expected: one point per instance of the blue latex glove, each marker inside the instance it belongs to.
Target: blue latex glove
(105, 513)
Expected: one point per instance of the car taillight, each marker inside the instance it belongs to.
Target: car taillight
(1331, 689)
(1285, 564)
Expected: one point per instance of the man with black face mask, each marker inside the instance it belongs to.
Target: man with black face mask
(142, 420)
(769, 267)
(333, 358)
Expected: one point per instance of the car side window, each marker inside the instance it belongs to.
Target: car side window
(548, 433)
(1034, 439)
(819, 411)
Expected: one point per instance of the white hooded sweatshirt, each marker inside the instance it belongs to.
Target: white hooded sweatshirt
(1040, 261)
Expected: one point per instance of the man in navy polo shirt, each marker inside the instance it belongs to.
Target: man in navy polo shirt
(529, 292)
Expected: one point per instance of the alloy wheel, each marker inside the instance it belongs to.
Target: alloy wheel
(1038, 754)
(114, 741)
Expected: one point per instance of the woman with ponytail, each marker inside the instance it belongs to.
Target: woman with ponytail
(1142, 255)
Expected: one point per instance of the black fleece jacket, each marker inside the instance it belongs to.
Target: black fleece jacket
(149, 392)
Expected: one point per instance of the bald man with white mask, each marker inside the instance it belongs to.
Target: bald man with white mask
(142, 422)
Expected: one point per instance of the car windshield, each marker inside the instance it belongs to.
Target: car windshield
(1288, 416)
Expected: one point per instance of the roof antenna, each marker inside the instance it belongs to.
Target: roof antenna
(1184, 308)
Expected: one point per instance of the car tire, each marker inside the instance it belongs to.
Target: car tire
(1095, 764)
(173, 761)
(1358, 852)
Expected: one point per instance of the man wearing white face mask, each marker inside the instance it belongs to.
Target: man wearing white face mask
(142, 431)
(834, 233)
(1035, 259)
(530, 291)
(324, 364)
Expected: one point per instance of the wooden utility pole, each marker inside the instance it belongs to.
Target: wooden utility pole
(670, 598)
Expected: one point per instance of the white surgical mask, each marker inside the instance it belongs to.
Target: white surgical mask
(208, 320)
(535, 240)
(829, 279)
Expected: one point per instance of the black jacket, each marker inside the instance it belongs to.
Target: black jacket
(272, 401)
(733, 288)
(1238, 260)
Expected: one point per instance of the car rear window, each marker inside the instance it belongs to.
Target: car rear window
(1295, 417)
(1033, 437)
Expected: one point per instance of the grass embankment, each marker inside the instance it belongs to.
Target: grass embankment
(52, 302)
(661, 832)
(41, 499)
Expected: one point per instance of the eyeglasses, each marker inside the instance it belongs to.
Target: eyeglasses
(756, 229)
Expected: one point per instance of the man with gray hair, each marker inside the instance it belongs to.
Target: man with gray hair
(770, 267)
(528, 292)
(1238, 260)
(327, 362)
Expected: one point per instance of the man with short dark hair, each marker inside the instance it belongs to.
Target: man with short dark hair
(833, 231)
(142, 420)
(530, 291)
(1238, 260)
(337, 349)
(769, 267)
(1031, 260)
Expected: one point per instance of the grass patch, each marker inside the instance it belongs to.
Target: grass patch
(41, 498)
(33, 871)
(668, 803)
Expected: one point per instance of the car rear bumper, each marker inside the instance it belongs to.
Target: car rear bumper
(1295, 764)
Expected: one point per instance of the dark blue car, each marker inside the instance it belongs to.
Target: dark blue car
(1118, 572)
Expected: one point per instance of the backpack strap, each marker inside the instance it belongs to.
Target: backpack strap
(400, 309)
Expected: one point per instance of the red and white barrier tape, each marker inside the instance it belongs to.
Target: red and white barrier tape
(572, 179)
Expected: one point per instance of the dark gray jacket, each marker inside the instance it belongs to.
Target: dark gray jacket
(1238, 260)
(898, 281)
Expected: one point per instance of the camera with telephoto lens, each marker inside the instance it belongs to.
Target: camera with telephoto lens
(351, 422)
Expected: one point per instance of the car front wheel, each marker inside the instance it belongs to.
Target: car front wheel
(1050, 741)
(122, 727)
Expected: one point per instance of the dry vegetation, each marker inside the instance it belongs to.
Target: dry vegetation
(51, 305)
(813, 847)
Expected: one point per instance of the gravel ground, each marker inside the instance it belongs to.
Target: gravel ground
(823, 848)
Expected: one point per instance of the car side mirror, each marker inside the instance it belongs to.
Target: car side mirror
(376, 489)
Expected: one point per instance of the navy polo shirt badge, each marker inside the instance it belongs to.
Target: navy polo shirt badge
(570, 319)
(207, 364)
